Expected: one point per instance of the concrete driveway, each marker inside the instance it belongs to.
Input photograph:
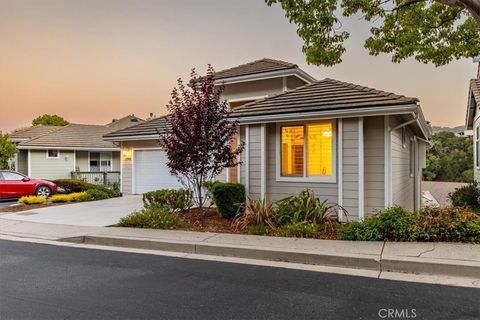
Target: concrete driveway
(93, 213)
(5, 203)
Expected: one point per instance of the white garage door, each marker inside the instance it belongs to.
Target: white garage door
(151, 171)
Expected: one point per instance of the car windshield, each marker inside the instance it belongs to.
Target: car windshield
(9, 176)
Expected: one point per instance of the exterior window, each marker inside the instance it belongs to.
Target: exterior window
(307, 150)
(53, 154)
(100, 161)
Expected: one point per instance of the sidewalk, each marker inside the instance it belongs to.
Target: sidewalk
(442, 259)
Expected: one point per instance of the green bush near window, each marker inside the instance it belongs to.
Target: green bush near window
(467, 196)
(152, 218)
(173, 199)
(95, 194)
(228, 198)
(429, 224)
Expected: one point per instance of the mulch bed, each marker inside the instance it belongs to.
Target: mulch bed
(25, 207)
(213, 221)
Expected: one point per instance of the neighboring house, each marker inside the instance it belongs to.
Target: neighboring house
(75, 150)
(356, 146)
(472, 121)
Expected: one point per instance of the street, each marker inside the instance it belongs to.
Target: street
(51, 282)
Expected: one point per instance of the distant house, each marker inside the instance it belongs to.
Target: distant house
(75, 150)
(472, 121)
(356, 146)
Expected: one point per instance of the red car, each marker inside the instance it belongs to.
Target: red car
(15, 185)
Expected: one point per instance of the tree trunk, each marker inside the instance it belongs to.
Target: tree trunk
(200, 205)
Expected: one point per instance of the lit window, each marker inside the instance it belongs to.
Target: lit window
(307, 150)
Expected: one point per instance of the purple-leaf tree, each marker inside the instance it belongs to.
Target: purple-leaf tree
(199, 144)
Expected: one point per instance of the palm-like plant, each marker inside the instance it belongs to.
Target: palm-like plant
(255, 213)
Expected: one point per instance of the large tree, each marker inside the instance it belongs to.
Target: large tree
(435, 31)
(49, 120)
(7, 151)
(198, 145)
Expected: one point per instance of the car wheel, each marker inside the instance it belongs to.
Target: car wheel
(43, 191)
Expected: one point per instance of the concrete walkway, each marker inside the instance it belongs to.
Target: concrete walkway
(92, 213)
(440, 190)
(441, 259)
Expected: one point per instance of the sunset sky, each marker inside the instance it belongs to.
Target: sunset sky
(93, 60)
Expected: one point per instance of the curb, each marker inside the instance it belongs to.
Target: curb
(415, 265)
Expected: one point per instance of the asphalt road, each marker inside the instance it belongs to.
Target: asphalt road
(51, 282)
(5, 203)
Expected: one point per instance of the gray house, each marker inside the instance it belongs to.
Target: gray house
(72, 151)
(473, 119)
(359, 147)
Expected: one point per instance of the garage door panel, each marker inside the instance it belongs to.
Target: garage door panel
(152, 173)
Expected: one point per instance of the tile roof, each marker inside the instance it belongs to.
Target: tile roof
(151, 127)
(327, 94)
(32, 132)
(80, 135)
(257, 66)
(475, 89)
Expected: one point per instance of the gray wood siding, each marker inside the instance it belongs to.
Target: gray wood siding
(476, 167)
(253, 89)
(350, 167)
(374, 156)
(254, 162)
(82, 161)
(22, 161)
(402, 182)
(115, 161)
(51, 169)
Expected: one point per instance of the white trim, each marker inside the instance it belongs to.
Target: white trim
(361, 173)
(284, 84)
(247, 161)
(16, 161)
(326, 179)
(297, 72)
(325, 114)
(121, 167)
(133, 163)
(239, 167)
(74, 160)
(29, 164)
(155, 136)
(66, 148)
(387, 162)
(340, 166)
(227, 178)
(52, 158)
(263, 159)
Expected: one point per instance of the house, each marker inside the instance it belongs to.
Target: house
(71, 151)
(359, 147)
(472, 121)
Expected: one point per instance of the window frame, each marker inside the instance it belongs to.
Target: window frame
(48, 156)
(321, 179)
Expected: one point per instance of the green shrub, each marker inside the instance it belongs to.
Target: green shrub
(32, 200)
(429, 224)
(303, 229)
(95, 194)
(259, 230)
(306, 207)
(152, 218)
(73, 185)
(446, 224)
(228, 198)
(467, 196)
(173, 199)
(390, 224)
(72, 197)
